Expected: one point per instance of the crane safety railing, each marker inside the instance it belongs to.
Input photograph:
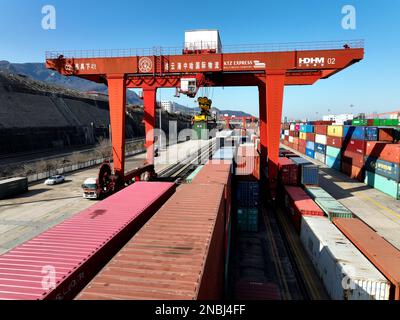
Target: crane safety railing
(196, 47)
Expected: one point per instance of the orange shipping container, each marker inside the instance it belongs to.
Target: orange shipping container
(386, 151)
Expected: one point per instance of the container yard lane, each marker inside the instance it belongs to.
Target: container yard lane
(27, 215)
(379, 211)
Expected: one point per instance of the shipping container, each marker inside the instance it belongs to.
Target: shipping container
(13, 186)
(248, 193)
(384, 168)
(327, 203)
(225, 153)
(321, 129)
(319, 156)
(247, 219)
(292, 127)
(388, 186)
(302, 149)
(288, 171)
(335, 142)
(353, 158)
(361, 133)
(306, 128)
(335, 131)
(80, 246)
(321, 148)
(246, 161)
(385, 151)
(310, 137)
(286, 132)
(382, 254)
(386, 134)
(359, 122)
(202, 41)
(334, 152)
(321, 139)
(345, 272)
(310, 145)
(353, 171)
(303, 135)
(310, 153)
(177, 255)
(291, 139)
(298, 204)
(334, 163)
(302, 143)
(356, 146)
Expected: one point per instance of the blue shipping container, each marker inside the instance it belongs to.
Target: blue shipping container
(310, 153)
(309, 174)
(306, 128)
(321, 148)
(333, 163)
(310, 145)
(333, 152)
(360, 133)
(384, 168)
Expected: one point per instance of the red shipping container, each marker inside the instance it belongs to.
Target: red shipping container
(296, 141)
(290, 145)
(321, 129)
(291, 133)
(383, 150)
(302, 149)
(296, 133)
(299, 203)
(286, 138)
(355, 159)
(285, 142)
(302, 143)
(386, 134)
(356, 146)
(310, 137)
(288, 171)
(381, 253)
(353, 171)
(335, 142)
(79, 247)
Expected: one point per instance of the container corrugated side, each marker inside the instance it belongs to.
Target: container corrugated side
(383, 150)
(333, 208)
(388, 186)
(317, 192)
(309, 174)
(345, 272)
(333, 152)
(383, 255)
(384, 168)
(320, 138)
(76, 249)
(177, 255)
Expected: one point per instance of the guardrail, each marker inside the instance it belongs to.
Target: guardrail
(178, 50)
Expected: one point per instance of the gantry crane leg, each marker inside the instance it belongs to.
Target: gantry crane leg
(149, 99)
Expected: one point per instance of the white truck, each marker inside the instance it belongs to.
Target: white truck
(91, 189)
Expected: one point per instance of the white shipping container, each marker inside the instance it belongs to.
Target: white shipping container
(319, 156)
(291, 139)
(292, 127)
(320, 138)
(282, 136)
(345, 272)
(286, 132)
(203, 40)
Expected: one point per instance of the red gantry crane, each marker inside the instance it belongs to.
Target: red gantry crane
(268, 67)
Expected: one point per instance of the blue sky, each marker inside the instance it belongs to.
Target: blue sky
(371, 85)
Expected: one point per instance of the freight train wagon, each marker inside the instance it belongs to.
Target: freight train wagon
(179, 253)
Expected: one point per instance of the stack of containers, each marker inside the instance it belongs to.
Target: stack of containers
(382, 162)
(308, 130)
(332, 207)
(334, 142)
(288, 171)
(320, 142)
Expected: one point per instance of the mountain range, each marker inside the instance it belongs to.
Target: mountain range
(38, 71)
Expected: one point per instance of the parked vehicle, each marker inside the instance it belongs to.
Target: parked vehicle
(55, 180)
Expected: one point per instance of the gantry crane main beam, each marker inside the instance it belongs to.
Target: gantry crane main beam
(269, 71)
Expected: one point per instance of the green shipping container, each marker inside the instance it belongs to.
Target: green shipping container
(333, 208)
(389, 122)
(317, 192)
(388, 186)
(333, 152)
(247, 219)
(359, 122)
